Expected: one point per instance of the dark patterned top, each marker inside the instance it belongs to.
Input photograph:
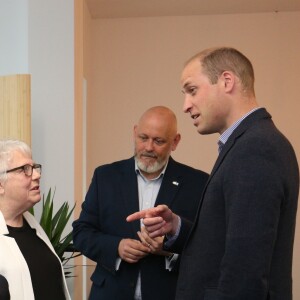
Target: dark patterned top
(44, 267)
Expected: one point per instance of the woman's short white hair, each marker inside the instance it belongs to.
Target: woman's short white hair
(7, 147)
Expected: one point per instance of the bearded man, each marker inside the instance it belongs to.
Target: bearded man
(128, 267)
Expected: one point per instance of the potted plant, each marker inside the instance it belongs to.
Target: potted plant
(54, 226)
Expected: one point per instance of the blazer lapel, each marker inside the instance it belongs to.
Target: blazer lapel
(170, 185)
(129, 190)
(239, 131)
(245, 124)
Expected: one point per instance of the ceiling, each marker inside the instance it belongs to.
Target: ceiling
(159, 8)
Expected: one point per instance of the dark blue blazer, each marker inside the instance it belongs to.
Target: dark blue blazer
(112, 196)
(241, 245)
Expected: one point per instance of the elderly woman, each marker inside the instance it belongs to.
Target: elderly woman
(27, 258)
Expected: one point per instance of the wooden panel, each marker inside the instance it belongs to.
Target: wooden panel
(78, 124)
(15, 109)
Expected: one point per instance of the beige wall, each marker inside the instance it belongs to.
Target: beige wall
(135, 63)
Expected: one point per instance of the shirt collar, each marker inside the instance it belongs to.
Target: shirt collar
(227, 133)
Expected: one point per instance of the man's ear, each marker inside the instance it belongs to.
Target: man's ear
(176, 141)
(134, 131)
(228, 80)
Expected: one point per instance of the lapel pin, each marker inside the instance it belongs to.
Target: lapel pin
(175, 182)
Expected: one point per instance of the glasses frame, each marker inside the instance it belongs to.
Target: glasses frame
(26, 169)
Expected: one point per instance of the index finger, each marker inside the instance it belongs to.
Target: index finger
(136, 216)
(146, 213)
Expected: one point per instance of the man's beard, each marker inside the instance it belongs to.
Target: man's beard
(150, 167)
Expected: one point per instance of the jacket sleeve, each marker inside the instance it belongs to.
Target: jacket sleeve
(177, 245)
(89, 235)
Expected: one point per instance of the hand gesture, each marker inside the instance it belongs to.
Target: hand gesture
(155, 244)
(158, 220)
(132, 251)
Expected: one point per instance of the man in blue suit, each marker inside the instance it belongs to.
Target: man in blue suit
(128, 267)
(241, 244)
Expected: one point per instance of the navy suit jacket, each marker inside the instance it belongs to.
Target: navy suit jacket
(241, 244)
(112, 196)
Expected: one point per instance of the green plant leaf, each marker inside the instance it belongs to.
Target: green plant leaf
(54, 226)
(46, 217)
(63, 245)
(60, 221)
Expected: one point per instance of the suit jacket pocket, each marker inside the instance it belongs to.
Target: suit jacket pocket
(211, 294)
(98, 278)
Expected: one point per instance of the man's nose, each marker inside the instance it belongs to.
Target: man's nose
(149, 145)
(186, 104)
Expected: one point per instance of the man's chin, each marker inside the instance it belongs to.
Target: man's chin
(149, 163)
(148, 168)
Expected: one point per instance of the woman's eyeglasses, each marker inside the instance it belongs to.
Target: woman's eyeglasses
(27, 169)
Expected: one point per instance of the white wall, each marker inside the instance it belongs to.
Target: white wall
(13, 37)
(37, 37)
(51, 64)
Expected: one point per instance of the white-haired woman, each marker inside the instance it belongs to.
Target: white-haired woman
(27, 258)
